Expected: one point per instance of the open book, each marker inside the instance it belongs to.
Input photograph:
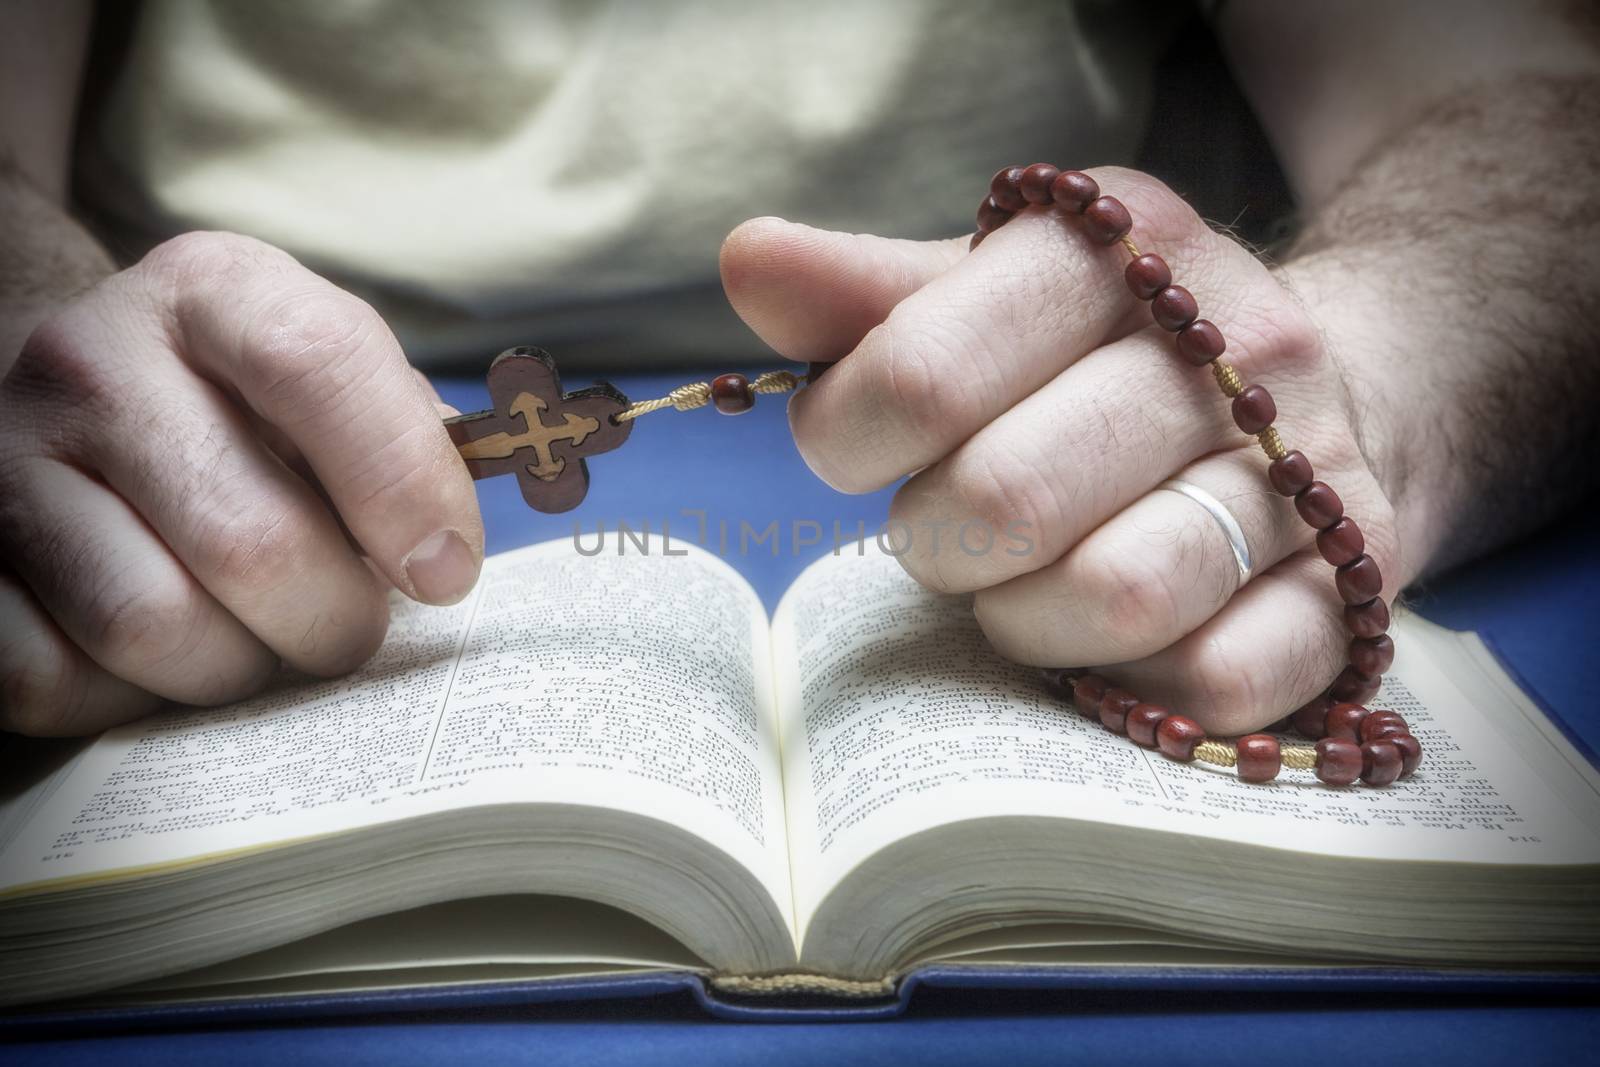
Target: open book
(613, 762)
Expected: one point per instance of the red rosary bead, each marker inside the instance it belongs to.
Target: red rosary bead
(1370, 619)
(1290, 475)
(991, 216)
(1386, 731)
(1339, 761)
(1036, 181)
(1107, 221)
(1006, 188)
(1380, 763)
(1319, 505)
(732, 394)
(1200, 342)
(1143, 721)
(1311, 719)
(1344, 721)
(1341, 543)
(1410, 753)
(1178, 736)
(1074, 191)
(1372, 655)
(1370, 725)
(1114, 708)
(1173, 308)
(1353, 687)
(1359, 580)
(1147, 276)
(1260, 758)
(1253, 409)
(1086, 692)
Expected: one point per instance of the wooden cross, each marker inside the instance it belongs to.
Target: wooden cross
(536, 432)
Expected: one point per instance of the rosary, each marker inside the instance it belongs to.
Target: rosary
(542, 436)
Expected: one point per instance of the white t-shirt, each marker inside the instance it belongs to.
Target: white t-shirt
(563, 173)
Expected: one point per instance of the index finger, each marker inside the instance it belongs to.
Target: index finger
(321, 365)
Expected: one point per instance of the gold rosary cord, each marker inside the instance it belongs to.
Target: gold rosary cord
(698, 395)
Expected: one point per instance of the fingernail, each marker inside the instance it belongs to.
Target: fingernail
(442, 569)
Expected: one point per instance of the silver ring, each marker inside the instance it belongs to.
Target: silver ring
(1230, 525)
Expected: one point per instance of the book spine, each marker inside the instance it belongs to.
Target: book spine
(803, 984)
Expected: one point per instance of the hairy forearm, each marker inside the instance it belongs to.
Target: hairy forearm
(1456, 274)
(46, 258)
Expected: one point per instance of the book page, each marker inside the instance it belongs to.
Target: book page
(639, 683)
(482, 932)
(898, 717)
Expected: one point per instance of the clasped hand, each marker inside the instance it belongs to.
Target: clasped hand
(1023, 389)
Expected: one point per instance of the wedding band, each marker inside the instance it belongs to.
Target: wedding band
(1230, 525)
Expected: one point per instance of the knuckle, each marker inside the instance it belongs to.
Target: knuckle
(155, 626)
(1227, 701)
(975, 519)
(208, 255)
(56, 368)
(405, 472)
(1267, 325)
(248, 553)
(1269, 328)
(50, 343)
(195, 249)
(1164, 217)
(261, 563)
(175, 642)
(1003, 491)
(1340, 453)
(309, 352)
(1131, 603)
(918, 379)
(1293, 334)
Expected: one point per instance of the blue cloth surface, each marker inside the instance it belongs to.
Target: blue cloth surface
(1537, 603)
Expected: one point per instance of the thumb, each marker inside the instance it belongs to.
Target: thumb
(813, 294)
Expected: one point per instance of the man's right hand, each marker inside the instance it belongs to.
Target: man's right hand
(195, 455)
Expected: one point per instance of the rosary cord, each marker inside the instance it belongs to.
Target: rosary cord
(1224, 754)
(699, 394)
